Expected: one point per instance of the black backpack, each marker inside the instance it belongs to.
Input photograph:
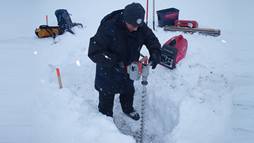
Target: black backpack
(64, 20)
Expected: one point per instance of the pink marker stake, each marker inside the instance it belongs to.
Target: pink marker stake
(59, 78)
(47, 20)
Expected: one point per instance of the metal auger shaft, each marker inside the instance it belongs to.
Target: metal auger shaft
(144, 83)
(135, 71)
(142, 114)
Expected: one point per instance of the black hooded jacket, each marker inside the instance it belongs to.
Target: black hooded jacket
(114, 44)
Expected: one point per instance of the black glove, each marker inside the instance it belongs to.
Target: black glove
(119, 67)
(154, 59)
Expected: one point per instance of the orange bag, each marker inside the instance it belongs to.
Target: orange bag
(45, 31)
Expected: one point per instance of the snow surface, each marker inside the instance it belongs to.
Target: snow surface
(207, 98)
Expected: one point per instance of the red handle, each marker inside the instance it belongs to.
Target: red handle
(58, 72)
(144, 60)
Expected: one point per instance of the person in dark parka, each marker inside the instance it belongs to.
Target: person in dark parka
(116, 45)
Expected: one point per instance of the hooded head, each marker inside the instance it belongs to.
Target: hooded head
(134, 14)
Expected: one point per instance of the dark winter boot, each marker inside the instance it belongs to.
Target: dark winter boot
(107, 113)
(134, 115)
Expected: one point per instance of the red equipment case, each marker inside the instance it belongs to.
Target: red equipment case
(186, 23)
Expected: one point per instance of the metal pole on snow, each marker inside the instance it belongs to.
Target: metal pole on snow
(153, 14)
(46, 19)
(147, 4)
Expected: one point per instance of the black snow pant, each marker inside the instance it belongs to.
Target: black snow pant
(106, 100)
